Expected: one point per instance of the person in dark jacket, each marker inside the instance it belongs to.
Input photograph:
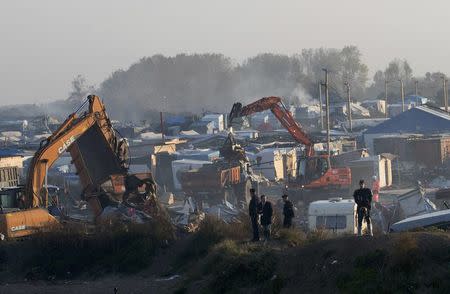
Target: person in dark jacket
(363, 200)
(288, 212)
(253, 209)
(266, 211)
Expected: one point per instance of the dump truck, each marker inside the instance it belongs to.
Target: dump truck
(100, 159)
(227, 179)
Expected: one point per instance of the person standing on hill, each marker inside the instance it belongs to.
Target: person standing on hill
(288, 212)
(266, 211)
(363, 200)
(253, 208)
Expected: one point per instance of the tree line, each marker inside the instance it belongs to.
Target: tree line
(212, 82)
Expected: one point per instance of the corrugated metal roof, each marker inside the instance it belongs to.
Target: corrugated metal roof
(9, 152)
(420, 120)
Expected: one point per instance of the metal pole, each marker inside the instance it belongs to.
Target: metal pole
(444, 86)
(402, 94)
(321, 105)
(349, 106)
(162, 127)
(164, 109)
(327, 108)
(416, 90)
(446, 96)
(385, 99)
(46, 184)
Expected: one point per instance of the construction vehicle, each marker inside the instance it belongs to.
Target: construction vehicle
(100, 159)
(314, 171)
(227, 179)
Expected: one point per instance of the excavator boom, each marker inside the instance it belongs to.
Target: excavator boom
(47, 155)
(63, 139)
(284, 116)
(97, 156)
(314, 171)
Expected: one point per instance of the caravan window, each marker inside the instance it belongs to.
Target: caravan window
(331, 222)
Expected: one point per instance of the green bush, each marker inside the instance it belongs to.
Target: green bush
(235, 266)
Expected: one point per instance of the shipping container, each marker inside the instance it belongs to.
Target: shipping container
(431, 151)
(397, 145)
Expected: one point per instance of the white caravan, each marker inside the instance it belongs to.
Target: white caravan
(336, 215)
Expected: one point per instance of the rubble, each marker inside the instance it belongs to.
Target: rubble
(124, 214)
(440, 182)
(415, 203)
(186, 215)
(226, 212)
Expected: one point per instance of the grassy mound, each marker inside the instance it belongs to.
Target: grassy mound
(219, 258)
(114, 248)
(316, 263)
(211, 232)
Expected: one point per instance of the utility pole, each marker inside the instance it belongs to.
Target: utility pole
(416, 91)
(321, 104)
(349, 106)
(327, 109)
(402, 94)
(444, 80)
(162, 119)
(446, 95)
(385, 99)
(162, 127)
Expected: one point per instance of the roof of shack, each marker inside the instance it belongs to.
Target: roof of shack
(10, 152)
(421, 120)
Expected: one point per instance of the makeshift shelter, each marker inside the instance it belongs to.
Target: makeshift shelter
(419, 120)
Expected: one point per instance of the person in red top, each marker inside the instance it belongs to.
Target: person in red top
(375, 188)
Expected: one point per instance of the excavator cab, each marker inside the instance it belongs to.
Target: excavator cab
(11, 198)
(14, 198)
(312, 168)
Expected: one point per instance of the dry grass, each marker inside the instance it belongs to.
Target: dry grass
(69, 252)
(292, 237)
(318, 235)
(402, 266)
(232, 266)
(405, 253)
(211, 232)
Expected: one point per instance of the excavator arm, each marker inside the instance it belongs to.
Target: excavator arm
(318, 172)
(98, 158)
(55, 145)
(276, 106)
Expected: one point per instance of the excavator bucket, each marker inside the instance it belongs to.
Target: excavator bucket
(235, 112)
(94, 158)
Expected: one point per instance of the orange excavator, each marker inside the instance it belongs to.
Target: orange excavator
(314, 171)
(99, 158)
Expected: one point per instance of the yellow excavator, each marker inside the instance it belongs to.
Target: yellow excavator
(100, 159)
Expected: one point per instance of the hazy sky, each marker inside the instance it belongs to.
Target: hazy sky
(46, 43)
